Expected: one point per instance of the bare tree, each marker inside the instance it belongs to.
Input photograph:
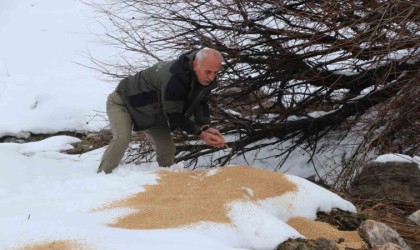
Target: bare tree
(294, 70)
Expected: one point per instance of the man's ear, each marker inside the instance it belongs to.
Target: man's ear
(195, 65)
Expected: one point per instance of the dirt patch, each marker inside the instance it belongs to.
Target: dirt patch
(184, 198)
(342, 220)
(91, 142)
(55, 245)
(316, 229)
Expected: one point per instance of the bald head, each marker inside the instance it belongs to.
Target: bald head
(205, 53)
(206, 65)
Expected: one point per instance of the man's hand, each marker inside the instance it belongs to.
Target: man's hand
(213, 137)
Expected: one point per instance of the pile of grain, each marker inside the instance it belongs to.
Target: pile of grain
(183, 198)
(55, 245)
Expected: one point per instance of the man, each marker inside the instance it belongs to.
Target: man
(160, 99)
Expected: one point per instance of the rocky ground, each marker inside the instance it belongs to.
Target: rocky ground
(387, 196)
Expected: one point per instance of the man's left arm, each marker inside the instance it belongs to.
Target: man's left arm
(202, 115)
(202, 118)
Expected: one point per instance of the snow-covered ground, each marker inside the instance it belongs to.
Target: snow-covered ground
(43, 89)
(46, 195)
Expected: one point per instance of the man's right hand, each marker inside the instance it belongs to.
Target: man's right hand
(212, 139)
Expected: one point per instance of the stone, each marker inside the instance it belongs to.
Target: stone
(388, 246)
(415, 217)
(377, 234)
(324, 243)
(12, 139)
(342, 220)
(396, 182)
(307, 244)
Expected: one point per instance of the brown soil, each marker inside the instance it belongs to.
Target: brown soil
(184, 198)
(316, 229)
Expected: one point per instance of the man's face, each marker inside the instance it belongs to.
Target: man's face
(207, 71)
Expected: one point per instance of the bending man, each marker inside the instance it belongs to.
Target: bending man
(160, 99)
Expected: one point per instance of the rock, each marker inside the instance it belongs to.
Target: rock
(12, 139)
(23, 135)
(415, 217)
(324, 243)
(388, 246)
(398, 182)
(377, 234)
(306, 244)
(342, 220)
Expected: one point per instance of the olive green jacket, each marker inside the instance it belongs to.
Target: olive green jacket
(167, 92)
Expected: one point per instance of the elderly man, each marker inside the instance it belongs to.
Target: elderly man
(160, 99)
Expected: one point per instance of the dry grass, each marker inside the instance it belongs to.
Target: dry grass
(395, 216)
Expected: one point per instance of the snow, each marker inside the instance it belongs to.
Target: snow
(47, 195)
(398, 158)
(39, 79)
